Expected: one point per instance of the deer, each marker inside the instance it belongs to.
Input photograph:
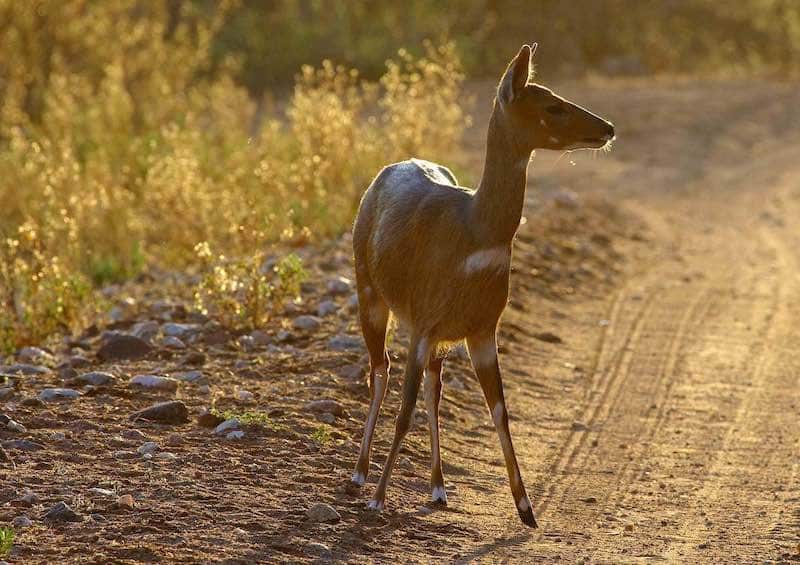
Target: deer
(437, 256)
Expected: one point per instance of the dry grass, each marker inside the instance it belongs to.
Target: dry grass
(135, 153)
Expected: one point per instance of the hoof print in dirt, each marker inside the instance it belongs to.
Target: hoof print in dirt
(121, 346)
(61, 512)
(322, 512)
(171, 412)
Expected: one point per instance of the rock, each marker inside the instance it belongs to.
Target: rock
(338, 286)
(326, 417)
(126, 501)
(50, 394)
(179, 330)
(246, 343)
(283, 336)
(67, 373)
(306, 323)
(61, 512)
(154, 381)
(172, 342)
(28, 499)
(325, 405)
(424, 510)
(21, 522)
(548, 337)
(34, 355)
(101, 492)
(174, 440)
(134, 434)
(79, 361)
(354, 372)
(260, 338)
(22, 445)
(23, 369)
(227, 425)
(589, 500)
(405, 463)
(322, 512)
(149, 447)
(194, 359)
(99, 518)
(345, 342)
(6, 392)
(145, 330)
(58, 436)
(32, 401)
(245, 396)
(579, 426)
(318, 550)
(352, 303)
(123, 454)
(209, 420)
(16, 427)
(165, 456)
(236, 434)
(326, 308)
(121, 347)
(188, 376)
(170, 412)
(96, 378)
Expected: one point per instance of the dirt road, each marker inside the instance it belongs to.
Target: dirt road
(651, 358)
(676, 437)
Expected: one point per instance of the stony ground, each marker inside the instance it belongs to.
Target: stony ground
(651, 364)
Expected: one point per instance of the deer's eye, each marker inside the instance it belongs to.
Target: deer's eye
(556, 110)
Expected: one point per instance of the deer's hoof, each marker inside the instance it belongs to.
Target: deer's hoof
(358, 479)
(439, 495)
(375, 505)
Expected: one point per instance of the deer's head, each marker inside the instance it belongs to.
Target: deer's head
(538, 118)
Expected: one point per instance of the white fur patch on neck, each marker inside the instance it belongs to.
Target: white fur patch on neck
(491, 258)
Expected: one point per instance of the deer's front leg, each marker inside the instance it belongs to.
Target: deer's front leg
(433, 395)
(418, 354)
(483, 352)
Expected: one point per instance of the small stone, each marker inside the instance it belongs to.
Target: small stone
(629, 527)
(23, 369)
(306, 323)
(134, 434)
(352, 302)
(326, 308)
(34, 355)
(148, 447)
(145, 330)
(344, 342)
(170, 412)
(165, 456)
(16, 427)
(23, 445)
(405, 463)
(236, 434)
(260, 339)
(318, 550)
(154, 381)
(21, 522)
(50, 394)
(61, 512)
(245, 396)
(179, 330)
(326, 405)
(283, 336)
(79, 361)
(589, 500)
(6, 392)
(339, 286)
(96, 378)
(126, 501)
(123, 454)
(579, 426)
(172, 342)
(204, 389)
(424, 510)
(101, 492)
(188, 376)
(352, 372)
(326, 417)
(29, 499)
(703, 545)
(246, 343)
(99, 518)
(193, 359)
(119, 347)
(227, 425)
(322, 512)
(209, 420)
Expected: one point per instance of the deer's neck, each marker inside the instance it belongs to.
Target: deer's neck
(497, 208)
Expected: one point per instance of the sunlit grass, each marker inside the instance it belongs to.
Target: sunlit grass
(6, 540)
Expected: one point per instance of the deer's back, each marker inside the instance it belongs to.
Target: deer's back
(413, 242)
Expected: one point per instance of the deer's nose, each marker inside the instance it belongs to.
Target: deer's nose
(609, 135)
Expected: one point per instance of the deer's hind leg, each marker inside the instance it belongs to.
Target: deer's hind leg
(374, 315)
(433, 395)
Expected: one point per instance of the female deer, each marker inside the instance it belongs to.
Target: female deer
(438, 256)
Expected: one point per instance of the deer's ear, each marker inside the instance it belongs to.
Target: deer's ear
(516, 75)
